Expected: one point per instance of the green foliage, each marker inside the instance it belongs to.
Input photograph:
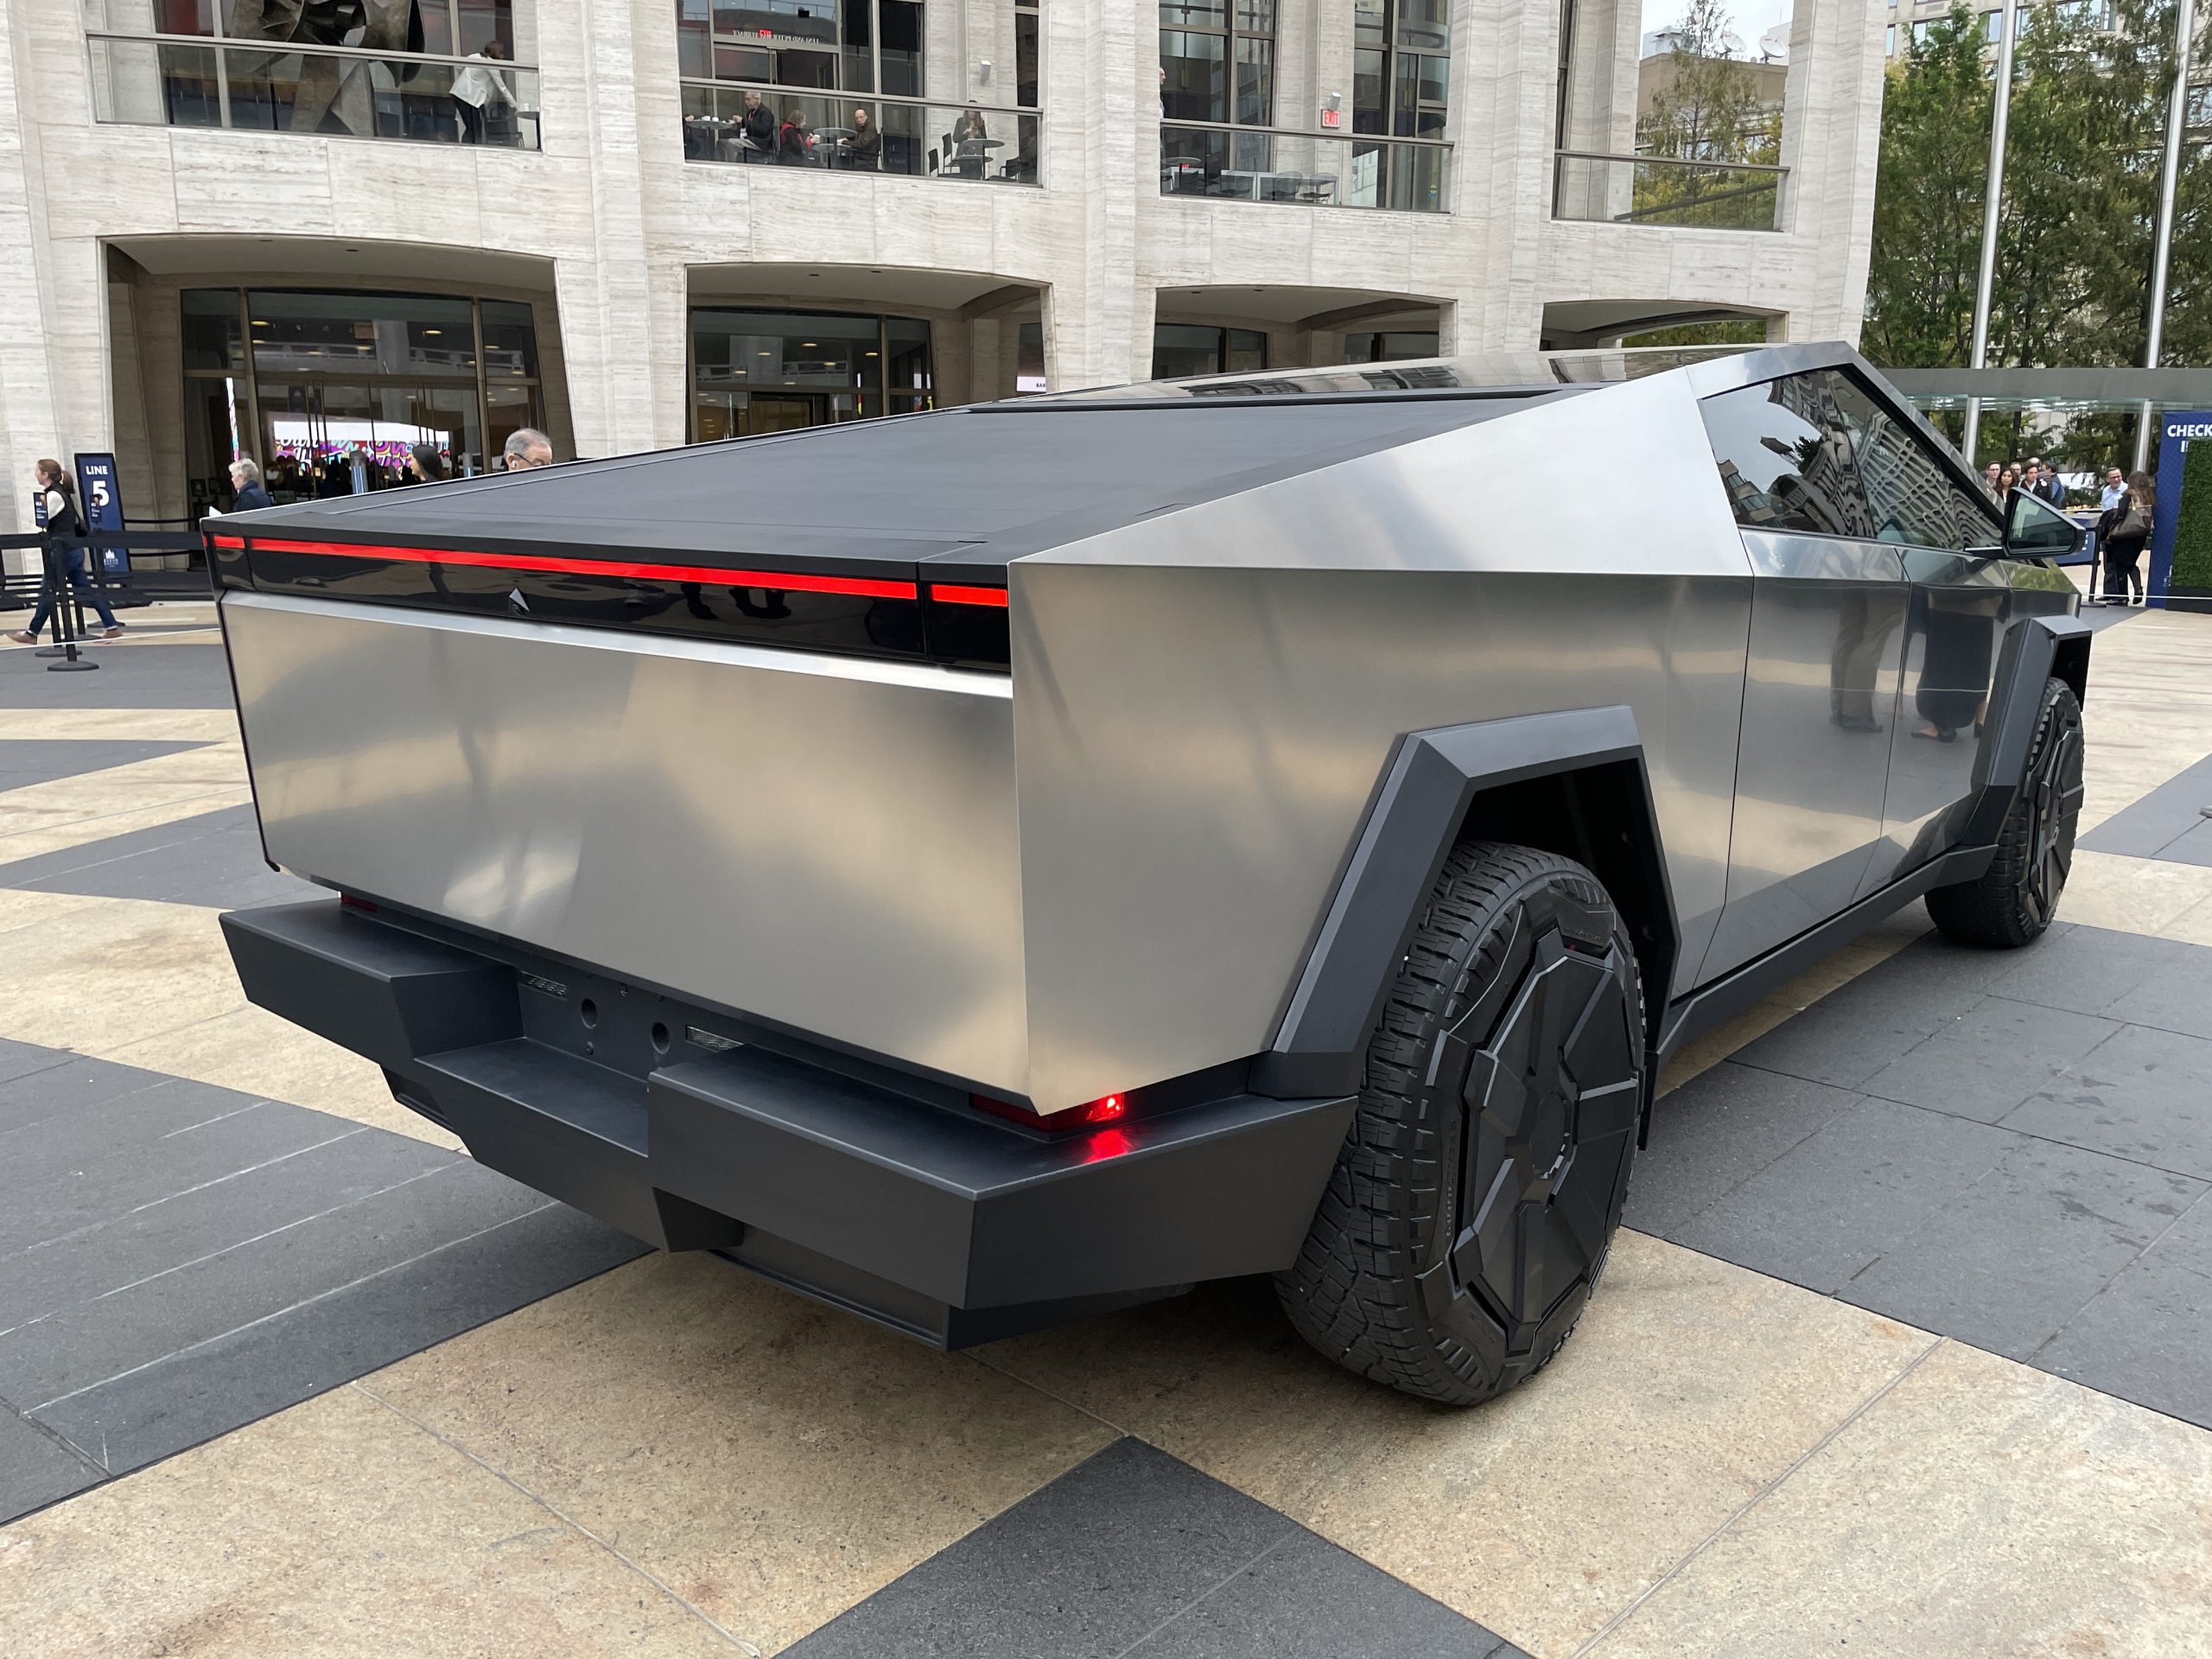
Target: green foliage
(2193, 523)
(1707, 109)
(1743, 331)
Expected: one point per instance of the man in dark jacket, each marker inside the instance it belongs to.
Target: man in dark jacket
(756, 128)
(246, 483)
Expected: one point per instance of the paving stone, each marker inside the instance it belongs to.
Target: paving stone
(1308, 1599)
(1715, 1131)
(1093, 1563)
(85, 1343)
(1857, 1029)
(80, 1108)
(230, 1380)
(37, 1282)
(20, 1060)
(2149, 827)
(2094, 970)
(212, 859)
(1991, 1059)
(63, 1195)
(162, 676)
(38, 760)
(2193, 845)
(1848, 1194)
(35, 1468)
(2142, 1095)
(2145, 1336)
(2013, 1257)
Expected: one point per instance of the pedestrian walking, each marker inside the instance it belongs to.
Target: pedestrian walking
(2133, 523)
(62, 518)
(247, 491)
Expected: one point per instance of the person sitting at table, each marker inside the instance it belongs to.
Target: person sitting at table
(863, 146)
(794, 140)
(970, 127)
(756, 130)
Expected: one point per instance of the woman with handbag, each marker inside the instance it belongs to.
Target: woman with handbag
(2131, 531)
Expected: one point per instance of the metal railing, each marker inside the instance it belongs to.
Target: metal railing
(911, 137)
(337, 91)
(1317, 169)
(1592, 186)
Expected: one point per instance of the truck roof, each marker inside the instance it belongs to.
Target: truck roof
(961, 491)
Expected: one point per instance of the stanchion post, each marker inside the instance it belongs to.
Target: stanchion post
(67, 623)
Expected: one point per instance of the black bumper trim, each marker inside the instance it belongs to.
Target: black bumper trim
(947, 1225)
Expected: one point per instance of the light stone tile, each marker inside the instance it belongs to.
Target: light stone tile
(1691, 1385)
(57, 832)
(333, 1530)
(20, 909)
(2135, 896)
(253, 1051)
(1979, 1507)
(2194, 926)
(160, 725)
(113, 973)
(777, 1460)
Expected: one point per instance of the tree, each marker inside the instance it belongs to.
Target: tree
(1706, 108)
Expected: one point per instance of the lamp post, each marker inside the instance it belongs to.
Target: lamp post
(2163, 249)
(1992, 201)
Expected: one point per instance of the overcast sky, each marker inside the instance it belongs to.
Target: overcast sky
(1751, 18)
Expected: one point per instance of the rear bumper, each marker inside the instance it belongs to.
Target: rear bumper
(920, 1214)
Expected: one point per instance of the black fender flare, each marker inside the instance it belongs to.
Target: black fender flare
(2033, 651)
(1429, 793)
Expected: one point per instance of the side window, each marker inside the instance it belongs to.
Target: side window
(1785, 457)
(1911, 494)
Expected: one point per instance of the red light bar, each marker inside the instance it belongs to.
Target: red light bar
(950, 595)
(228, 541)
(780, 581)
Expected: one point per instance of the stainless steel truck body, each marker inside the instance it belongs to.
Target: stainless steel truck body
(962, 865)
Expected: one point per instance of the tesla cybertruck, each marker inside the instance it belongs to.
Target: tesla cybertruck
(993, 866)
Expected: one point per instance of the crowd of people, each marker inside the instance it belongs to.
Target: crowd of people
(2042, 482)
(2126, 518)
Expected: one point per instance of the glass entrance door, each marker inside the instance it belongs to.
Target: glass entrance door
(324, 438)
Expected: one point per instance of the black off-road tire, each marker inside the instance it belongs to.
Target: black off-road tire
(1480, 1185)
(2013, 902)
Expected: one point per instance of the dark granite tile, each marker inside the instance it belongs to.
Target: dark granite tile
(348, 1331)
(2144, 1094)
(1989, 1060)
(2093, 969)
(1715, 1131)
(1846, 1195)
(2192, 846)
(2146, 1335)
(2150, 825)
(66, 1196)
(37, 1282)
(164, 676)
(38, 759)
(35, 1468)
(83, 1344)
(213, 859)
(1860, 1028)
(1308, 1599)
(2011, 1258)
(54, 1082)
(20, 1060)
(83, 1108)
(1094, 1561)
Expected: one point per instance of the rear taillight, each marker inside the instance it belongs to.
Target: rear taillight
(1105, 1109)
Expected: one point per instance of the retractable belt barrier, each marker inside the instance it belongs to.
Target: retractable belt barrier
(54, 578)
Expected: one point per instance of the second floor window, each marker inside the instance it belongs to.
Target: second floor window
(851, 46)
(1217, 61)
(1402, 66)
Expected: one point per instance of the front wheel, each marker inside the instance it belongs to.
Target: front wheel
(1480, 1185)
(2011, 903)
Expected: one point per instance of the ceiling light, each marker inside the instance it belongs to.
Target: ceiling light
(806, 342)
(434, 331)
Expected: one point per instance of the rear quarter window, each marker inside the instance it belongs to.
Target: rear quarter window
(1785, 455)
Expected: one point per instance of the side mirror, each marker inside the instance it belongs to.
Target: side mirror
(2035, 530)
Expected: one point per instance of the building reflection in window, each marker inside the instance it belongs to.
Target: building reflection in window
(1180, 350)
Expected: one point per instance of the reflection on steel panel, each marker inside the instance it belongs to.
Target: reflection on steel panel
(824, 842)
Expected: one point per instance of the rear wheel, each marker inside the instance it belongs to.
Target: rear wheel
(2013, 902)
(1478, 1189)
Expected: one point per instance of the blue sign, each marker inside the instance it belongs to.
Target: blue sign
(100, 499)
(2175, 431)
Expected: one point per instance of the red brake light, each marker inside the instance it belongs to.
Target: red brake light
(1105, 1110)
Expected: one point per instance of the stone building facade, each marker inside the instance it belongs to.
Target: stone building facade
(595, 250)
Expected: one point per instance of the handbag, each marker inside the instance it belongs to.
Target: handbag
(2134, 522)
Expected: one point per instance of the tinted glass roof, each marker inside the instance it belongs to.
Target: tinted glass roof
(975, 486)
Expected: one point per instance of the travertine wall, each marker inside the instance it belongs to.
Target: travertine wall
(622, 222)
